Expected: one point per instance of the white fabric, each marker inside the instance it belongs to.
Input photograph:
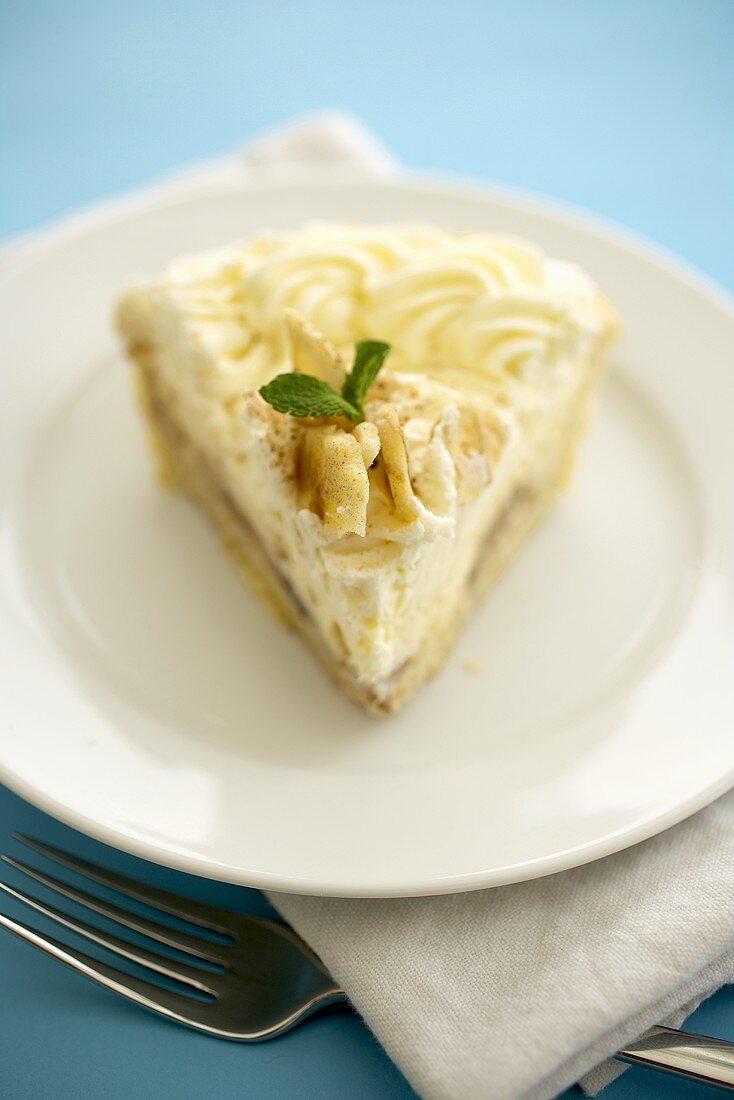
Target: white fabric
(329, 141)
(520, 991)
(513, 993)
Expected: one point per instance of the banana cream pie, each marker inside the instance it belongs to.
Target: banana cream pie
(374, 417)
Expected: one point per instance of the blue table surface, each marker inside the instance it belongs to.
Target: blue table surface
(622, 107)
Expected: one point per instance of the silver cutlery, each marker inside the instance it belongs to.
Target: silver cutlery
(245, 978)
(257, 979)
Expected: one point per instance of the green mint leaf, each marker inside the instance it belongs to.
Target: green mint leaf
(303, 395)
(369, 355)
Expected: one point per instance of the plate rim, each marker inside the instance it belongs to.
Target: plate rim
(566, 860)
(16, 256)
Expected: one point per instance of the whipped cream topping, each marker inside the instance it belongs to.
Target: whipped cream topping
(487, 311)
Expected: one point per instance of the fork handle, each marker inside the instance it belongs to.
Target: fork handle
(683, 1054)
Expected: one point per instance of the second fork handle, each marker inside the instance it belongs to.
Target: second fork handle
(684, 1054)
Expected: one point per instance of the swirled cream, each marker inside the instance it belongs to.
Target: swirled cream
(491, 311)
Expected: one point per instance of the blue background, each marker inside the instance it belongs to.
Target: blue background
(621, 107)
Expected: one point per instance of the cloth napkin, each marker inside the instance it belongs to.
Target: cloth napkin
(520, 991)
(517, 992)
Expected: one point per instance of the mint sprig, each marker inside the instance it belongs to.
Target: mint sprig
(303, 395)
(369, 355)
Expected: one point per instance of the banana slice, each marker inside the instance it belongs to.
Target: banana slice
(395, 462)
(311, 352)
(333, 479)
(368, 437)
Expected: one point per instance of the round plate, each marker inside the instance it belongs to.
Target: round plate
(150, 701)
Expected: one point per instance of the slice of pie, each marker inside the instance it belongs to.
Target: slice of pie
(375, 531)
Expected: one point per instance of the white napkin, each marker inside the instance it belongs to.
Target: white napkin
(520, 991)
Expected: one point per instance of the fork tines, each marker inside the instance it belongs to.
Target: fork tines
(237, 976)
(186, 909)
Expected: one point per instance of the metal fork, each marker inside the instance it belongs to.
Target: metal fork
(265, 978)
(261, 981)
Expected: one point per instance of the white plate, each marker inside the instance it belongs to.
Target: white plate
(150, 701)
